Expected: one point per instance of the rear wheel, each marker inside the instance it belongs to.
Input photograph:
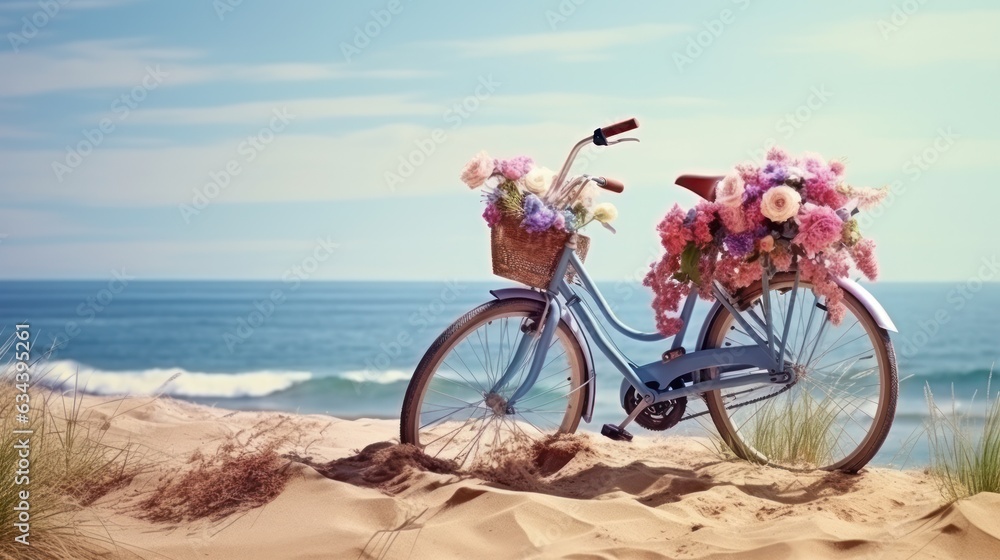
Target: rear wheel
(838, 409)
(452, 409)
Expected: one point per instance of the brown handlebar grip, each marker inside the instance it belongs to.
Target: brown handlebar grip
(619, 128)
(613, 185)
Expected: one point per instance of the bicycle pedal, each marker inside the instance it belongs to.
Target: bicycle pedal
(614, 432)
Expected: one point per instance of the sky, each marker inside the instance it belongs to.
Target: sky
(233, 139)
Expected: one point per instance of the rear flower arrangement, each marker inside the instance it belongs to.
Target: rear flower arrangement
(785, 214)
(517, 189)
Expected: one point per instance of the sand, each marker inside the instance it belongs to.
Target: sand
(590, 497)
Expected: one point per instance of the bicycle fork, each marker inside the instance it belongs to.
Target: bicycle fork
(541, 340)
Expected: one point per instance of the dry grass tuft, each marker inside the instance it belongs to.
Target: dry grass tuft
(238, 477)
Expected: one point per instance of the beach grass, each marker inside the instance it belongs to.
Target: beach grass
(54, 462)
(796, 432)
(965, 448)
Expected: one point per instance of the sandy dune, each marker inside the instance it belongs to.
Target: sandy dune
(587, 498)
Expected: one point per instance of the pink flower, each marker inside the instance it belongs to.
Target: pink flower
(733, 219)
(823, 284)
(729, 191)
(673, 234)
(668, 294)
(864, 257)
(780, 203)
(766, 244)
(777, 155)
(479, 168)
(515, 168)
(819, 227)
(701, 229)
(781, 259)
(560, 223)
(837, 167)
(492, 215)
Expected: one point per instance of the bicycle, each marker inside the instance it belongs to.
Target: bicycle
(783, 385)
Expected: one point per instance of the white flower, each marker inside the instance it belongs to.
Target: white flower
(605, 212)
(538, 180)
(730, 191)
(780, 203)
(479, 168)
(796, 174)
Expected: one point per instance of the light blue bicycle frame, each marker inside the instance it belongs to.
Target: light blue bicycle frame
(652, 381)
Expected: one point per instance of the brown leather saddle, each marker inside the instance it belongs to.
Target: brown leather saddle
(701, 185)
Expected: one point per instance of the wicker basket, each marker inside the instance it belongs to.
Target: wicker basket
(530, 258)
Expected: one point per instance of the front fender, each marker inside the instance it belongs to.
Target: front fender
(574, 327)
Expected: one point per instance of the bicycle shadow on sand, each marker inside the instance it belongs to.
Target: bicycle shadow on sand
(579, 468)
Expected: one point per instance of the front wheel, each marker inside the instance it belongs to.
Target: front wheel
(838, 409)
(455, 407)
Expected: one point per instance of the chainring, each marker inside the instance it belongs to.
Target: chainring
(659, 416)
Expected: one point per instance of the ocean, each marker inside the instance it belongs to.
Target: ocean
(349, 348)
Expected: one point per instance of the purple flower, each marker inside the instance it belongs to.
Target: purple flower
(740, 244)
(491, 215)
(751, 193)
(537, 216)
(774, 174)
(514, 168)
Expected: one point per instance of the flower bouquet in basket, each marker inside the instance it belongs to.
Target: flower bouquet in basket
(530, 218)
(784, 214)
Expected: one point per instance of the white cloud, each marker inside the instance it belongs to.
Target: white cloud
(523, 106)
(17, 133)
(925, 37)
(569, 45)
(303, 109)
(18, 223)
(123, 64)
(147, 260)
(311, 167)
(32, 6)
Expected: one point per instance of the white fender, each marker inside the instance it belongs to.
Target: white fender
(868, 300)
(574, 327)
(850, 286)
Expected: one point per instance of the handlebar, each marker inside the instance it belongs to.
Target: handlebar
(610, 184)
(601, 135)
(619, 128)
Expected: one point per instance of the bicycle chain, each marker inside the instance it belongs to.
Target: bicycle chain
(752, 401)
